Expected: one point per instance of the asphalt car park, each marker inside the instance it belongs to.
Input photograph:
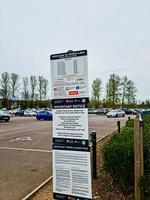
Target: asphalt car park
(26, 152)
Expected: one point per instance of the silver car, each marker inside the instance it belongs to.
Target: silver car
(29, 113)
(116, 113)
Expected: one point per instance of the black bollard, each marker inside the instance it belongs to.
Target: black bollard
(118, 124)
(94, 164)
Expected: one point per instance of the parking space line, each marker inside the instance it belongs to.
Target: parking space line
(21, 149)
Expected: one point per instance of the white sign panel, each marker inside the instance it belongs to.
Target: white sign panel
(69, 76)
(71, 174)
(71, 152)
(70, 123)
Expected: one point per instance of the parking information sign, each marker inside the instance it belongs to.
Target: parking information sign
(71, 152)
(70, 123)
(69, 75)
(72, 175)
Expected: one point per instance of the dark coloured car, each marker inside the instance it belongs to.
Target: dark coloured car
(4, 117)
(130, 111)
(19, 112)
(102, 111)
(44, 115)
(91, 111)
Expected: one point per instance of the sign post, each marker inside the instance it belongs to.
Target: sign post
(138, 156)
(71, 152)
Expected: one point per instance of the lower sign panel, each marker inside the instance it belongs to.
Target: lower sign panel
(71, 175)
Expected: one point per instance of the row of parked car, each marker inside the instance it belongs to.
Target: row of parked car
(114, 113)
(22, 112)
(45, 114)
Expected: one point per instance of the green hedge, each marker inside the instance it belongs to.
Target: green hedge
(118, 157)
(130, 123)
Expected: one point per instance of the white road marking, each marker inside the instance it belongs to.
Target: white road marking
(21, 149)
(22, 139)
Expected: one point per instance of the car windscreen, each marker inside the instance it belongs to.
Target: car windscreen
(113, 111)
(1, 112)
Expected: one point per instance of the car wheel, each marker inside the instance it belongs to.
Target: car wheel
(6, 120)
(123, 115)
(116, 115)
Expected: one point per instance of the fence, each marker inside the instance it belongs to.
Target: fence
(138, 155)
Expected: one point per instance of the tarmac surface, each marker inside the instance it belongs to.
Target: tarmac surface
(26, 152)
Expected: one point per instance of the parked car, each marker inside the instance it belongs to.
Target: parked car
(116, 113)
(102, 111)
(45, 115)
(29, 113)
(130, 111)
(10, 112)
(19, 112)
(91, 111)
(34, 110)
(13, 111)
(4, 117)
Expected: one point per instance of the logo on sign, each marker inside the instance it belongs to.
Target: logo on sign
(73, 92)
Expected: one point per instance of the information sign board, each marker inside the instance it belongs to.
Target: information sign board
(71, 152)
(70, 123)
(72, 175)
(69, 77)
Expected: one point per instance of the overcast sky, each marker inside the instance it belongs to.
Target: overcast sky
(116, 34)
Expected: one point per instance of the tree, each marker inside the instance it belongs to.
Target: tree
(25, 93)
(5, 85)
(45, 88)
(33, 83)
(96, 89)
(14, 83)
(124, 82)
(108, 95)
(113, 89)
(40, 86)
(130, 94)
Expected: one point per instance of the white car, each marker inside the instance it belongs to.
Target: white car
(29, 113)
(116, 113)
